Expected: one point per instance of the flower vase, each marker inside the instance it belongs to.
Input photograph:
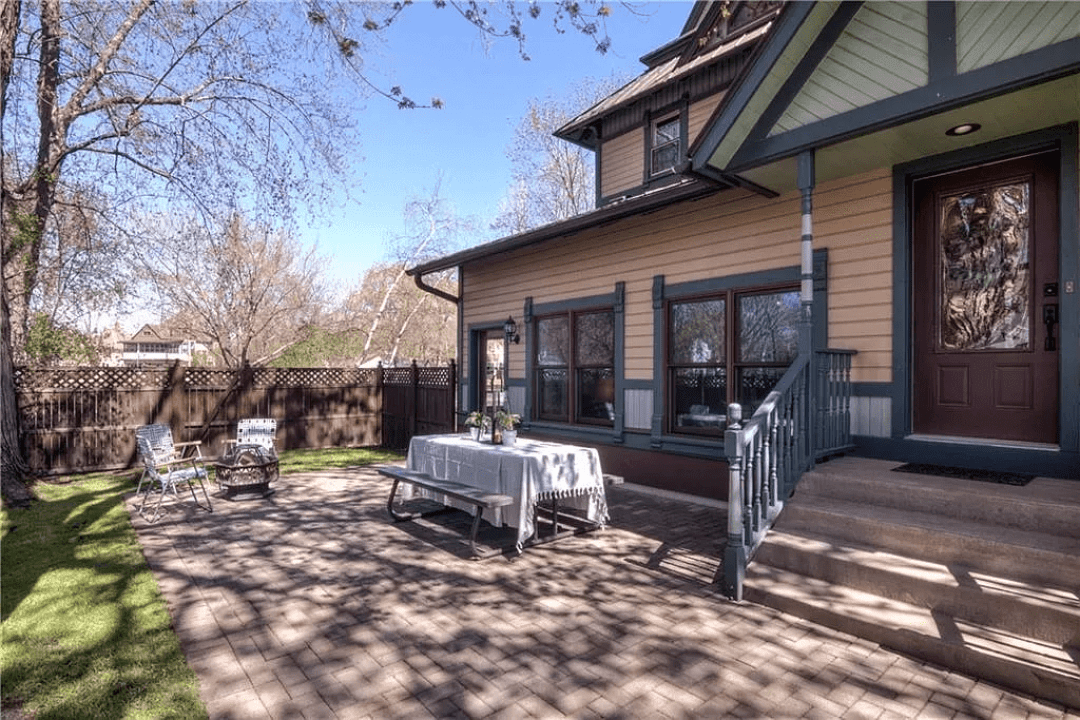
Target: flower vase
(509, 437)
(474, 432)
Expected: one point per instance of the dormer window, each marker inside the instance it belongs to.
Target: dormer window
(666, 144)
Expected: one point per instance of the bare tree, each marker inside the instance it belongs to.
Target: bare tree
(398, 321)
(432, 228)
(553, 179)
(247, 289)
(158, 104)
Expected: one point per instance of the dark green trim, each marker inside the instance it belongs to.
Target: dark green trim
(619, 309)
(598, 171)
(463, 377)
(872, 389)
(1048, 463)
(941, 40)
(1026, 70)
(1069, 305)
(559, 306)
(1063, 138)
(659, 352)
(829, 34)
(530, 361)
(785, 28)
(775, 276)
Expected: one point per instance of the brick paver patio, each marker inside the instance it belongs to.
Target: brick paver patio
(313, 604)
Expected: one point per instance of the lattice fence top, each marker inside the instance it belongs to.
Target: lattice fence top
(44, 379)
(435, 376)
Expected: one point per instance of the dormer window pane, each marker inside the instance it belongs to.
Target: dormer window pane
(665, 144)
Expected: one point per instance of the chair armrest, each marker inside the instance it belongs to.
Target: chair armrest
(178, 461)
(182, 447)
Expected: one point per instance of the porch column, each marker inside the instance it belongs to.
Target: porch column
(806, 187)
(806, 332)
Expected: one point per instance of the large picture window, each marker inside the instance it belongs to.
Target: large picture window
(575, 367)
(727, 347)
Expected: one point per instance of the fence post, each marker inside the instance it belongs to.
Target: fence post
(453, 397)
(380, 427)
(415, 409)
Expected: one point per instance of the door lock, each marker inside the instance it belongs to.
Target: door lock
(1050, 318)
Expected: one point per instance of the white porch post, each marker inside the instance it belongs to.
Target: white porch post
(806, 332)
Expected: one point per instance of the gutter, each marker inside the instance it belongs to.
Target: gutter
(418, 278)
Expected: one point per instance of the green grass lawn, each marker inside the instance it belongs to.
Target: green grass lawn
(85, 630)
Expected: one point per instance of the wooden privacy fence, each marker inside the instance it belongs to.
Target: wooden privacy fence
(80, 419)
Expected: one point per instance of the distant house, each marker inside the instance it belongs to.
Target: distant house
(151, 346)
(893, 179)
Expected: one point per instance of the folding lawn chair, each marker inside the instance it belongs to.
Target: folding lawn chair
(167, 465)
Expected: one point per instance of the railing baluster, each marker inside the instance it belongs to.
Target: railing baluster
(767, 456)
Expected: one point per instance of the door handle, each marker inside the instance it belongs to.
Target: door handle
(1050, 318)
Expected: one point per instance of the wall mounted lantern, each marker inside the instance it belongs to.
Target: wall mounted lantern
(511, 330)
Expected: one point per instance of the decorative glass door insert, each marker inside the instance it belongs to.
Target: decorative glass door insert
(985, 276)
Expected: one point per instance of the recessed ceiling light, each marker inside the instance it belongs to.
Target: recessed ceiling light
(963, 129)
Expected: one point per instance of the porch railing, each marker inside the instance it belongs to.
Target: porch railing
(806, 417)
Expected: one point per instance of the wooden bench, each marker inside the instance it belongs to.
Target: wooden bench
(480, 499)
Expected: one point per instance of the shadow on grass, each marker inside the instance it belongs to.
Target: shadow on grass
(86, 632)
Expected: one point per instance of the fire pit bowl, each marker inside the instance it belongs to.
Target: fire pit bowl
(246, 471)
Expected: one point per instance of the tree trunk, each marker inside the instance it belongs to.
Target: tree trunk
(13, 468)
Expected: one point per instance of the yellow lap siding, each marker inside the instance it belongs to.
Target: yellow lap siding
(731, 233)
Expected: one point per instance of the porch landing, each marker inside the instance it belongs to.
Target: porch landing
(982, 578)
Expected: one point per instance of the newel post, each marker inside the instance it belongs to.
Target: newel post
(735, 551)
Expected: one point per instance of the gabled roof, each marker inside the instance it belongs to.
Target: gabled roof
(713, 31)
(832, 72)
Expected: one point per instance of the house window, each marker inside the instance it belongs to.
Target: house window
(575, 367)
(666, 142)
(729, 347)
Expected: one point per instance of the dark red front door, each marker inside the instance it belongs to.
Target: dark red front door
(985, 273)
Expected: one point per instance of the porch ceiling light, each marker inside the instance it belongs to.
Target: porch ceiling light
(963, 129)
(511, 330)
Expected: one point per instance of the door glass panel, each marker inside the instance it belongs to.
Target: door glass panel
(985, 283)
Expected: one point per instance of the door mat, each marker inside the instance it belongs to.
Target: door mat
(1005, 478)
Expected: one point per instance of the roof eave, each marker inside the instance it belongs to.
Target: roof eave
(641, 204)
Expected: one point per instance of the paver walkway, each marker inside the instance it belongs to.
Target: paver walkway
(313, 604)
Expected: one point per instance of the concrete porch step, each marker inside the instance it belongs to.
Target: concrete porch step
(1044, 669)
(1024, 555)
(1033, 610)
(1043, 505)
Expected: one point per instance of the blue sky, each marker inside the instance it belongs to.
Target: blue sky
(431, 52)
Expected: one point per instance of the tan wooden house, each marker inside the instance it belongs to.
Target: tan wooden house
(825, 228)
(895, 183)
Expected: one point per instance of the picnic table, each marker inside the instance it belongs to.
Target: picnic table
(507, 484)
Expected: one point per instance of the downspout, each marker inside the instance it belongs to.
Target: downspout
(419, 280)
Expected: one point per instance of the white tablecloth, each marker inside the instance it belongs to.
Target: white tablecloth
(528, 471)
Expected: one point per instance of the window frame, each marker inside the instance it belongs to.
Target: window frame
(731, 363)
(678, 142)
(572, 367)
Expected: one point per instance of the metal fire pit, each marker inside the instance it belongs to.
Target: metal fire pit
(246, 471)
